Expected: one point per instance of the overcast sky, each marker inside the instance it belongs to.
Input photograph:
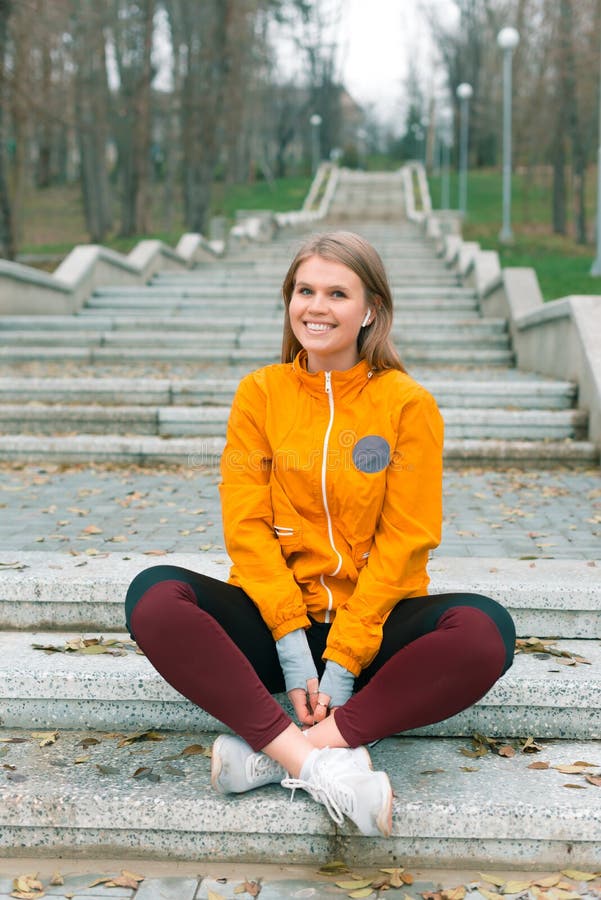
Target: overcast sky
(381, 36)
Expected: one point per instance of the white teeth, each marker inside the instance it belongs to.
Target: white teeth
(315, 326)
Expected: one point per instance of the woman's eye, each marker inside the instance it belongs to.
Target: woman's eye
(338, 294)
(304, 291)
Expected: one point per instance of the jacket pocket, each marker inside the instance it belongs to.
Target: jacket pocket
(361, 551)
(287, 523)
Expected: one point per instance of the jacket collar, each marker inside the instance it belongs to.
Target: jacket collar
(347, 382)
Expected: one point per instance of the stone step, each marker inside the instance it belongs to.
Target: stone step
(42, 689)
(53, 590)
(446, 336)
(253, 356)
(182, 305)
(13, 327)
(529, 393)
(184, 421)
(150, 450)
(490, 813)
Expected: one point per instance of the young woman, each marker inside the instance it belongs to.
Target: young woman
(331, 498)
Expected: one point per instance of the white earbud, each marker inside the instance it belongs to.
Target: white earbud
(366, 319)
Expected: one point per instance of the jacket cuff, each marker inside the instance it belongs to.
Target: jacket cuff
(289, 625)
(348, 662)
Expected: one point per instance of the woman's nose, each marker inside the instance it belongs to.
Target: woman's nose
(318, 301)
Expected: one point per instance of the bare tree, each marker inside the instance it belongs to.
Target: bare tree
(91, 113)
(7, 231)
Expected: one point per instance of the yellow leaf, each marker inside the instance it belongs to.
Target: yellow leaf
(457, 893)
(548, 882)
(565, 895)
(490, 895)
(360, 894)
(586, 765)
(211, 895)
(46, 738)
(516, 887)
(333, 868)
(92, 529)
(57, 879)
(132, 875)
(569, 770)
(577, 875)
(399, 869)
(355, 884)
(493, 879)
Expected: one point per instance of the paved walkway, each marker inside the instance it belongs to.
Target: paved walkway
(182, 881)
(511, 513)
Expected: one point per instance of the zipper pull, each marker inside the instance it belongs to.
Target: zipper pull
(328, 382)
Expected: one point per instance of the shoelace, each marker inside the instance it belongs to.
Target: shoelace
(337, 799)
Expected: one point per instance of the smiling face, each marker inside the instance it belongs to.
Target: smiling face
(327, 308)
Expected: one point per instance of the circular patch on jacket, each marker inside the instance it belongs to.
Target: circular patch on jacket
(371, 454)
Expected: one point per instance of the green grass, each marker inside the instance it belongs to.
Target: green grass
(53, 221)
(561, 264)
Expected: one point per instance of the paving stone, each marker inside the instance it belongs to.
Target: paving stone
(168, 889)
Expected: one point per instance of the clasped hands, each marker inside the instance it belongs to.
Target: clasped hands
(312, 700)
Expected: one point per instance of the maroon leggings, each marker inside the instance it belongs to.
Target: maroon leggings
(439, 655)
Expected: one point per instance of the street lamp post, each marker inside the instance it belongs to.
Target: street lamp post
(418, 138)
(315, 121)
(507, 39)
(464, 93)
(596, 267)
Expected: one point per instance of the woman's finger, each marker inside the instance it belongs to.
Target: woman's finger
(321, 707)
(312, 692)
(298, 698)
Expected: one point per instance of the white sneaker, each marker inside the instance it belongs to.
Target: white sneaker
(339, 779)
(236, 768)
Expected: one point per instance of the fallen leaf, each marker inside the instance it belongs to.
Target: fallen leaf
(13, 565)
(569, 770)
(539, 765)
(586, 765)
(490, 895)
(431, 771)
(155, 552)
(506, 751)
(354, 885)
(493, 879)
(468, 769)
(593, 779)
(548, 882)
(91, 529)
(46, 738)
(361, 893)
(107, 770)
(457, 893)
(577, 875)
(578, 786)
(516, 887)
(211, 895)
(57, 879)
(337, 867)
(140, 736)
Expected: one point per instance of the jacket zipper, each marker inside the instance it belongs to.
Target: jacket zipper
(326, 440)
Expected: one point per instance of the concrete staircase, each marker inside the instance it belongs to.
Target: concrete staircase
(147, 375)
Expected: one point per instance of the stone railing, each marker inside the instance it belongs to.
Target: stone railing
(261, 226)
(560, 338)
(28, 291)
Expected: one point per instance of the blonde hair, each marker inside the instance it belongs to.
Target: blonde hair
(374, 343)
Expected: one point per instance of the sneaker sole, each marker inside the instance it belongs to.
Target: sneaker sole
(216, 766)
(384, 819)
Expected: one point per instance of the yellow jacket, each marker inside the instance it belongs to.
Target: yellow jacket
(331, 497)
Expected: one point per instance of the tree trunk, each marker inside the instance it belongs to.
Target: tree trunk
(7, 230)
(91, 116)
(202, 108)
